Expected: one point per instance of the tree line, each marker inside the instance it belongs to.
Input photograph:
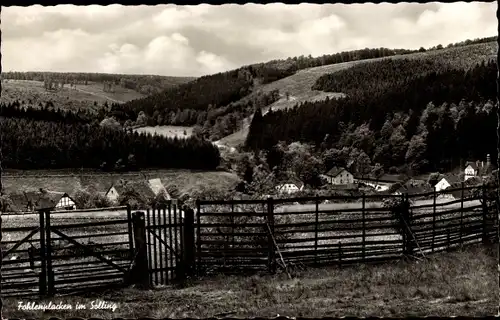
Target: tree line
(32, 144)
(46, 112)
(401, 113)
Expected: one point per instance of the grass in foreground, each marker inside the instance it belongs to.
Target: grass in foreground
(457, 283)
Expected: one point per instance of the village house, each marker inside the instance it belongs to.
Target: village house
(290, 186)
(446, 182)
(147, 189)
(338, 176)
(478, 168)
(28, 201)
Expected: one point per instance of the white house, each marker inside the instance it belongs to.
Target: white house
(338, 175)
(478, 168)
(65, 202)
(446, 182)
(290, 186)
(113, 193)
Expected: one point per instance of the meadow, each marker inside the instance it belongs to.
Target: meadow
(463, 282)
(33, 92)
(185, 181)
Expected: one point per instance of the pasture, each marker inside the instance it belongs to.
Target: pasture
(167, 131)
(185, 181)
(33, 93)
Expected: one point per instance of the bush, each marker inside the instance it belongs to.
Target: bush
(89, 199)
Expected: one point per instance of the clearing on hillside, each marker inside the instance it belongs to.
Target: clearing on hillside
(84, 96)
(167, 131)
(298, 86)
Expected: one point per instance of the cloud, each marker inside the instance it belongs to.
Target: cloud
(203, 39)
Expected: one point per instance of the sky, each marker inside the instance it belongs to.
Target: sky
(174, 40)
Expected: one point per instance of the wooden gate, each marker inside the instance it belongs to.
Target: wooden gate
(87, 256)
(58, 254)
(21, 274)
(164, 234)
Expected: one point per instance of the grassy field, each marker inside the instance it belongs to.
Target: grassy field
(449, 284)
(168, 131)
(185, 181)
(299, 85)
(83, 97)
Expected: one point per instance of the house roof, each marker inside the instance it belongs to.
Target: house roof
(472, 164)
(452, 179)
(38, 199)
(156, 185)
(293, 181)
(142, 187)
(335, 171)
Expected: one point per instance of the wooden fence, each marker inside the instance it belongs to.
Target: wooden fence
(237, 236)
(52, 253)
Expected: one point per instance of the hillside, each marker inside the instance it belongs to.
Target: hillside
(299, 85)
(219, 102)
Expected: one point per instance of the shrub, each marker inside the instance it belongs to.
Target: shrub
(88, 199)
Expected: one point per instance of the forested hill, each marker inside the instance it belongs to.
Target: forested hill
(412, 114)
(210, 97)
(223, 100)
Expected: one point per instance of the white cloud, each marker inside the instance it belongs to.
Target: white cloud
(196, 40)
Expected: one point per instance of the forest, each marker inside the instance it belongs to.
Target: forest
(400, 113)
(35, 144)
(46, 112)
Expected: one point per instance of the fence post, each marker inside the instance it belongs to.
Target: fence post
(485, 216)
(139, 275)
(316, 225)
(270, 243)
(340, 254)
(409, 220)
(434, 219)
(50, 271)
(363, 213)
(198, 237)
(130, 231)
(462, 213)
(188, 245)
(43, 272)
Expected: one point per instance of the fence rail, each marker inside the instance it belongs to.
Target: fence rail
(239, 234)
